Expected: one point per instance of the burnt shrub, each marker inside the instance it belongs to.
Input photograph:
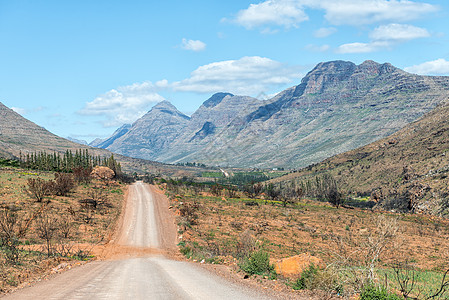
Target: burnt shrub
(63, 184)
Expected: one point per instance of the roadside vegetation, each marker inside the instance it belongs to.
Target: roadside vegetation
(50, 220)
(371, 253)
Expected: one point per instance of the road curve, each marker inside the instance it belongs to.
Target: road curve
(145, 225)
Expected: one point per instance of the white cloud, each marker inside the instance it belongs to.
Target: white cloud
(358, 48)
(247, 76)
(324, 32)
(19, 110)
(289, 13)
(434, 67)
(398, 33)
(193, 45)
(384, 37)
(316, 48)
(124, 104)
(359, 12)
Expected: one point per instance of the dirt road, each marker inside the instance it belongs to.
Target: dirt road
(146, 225)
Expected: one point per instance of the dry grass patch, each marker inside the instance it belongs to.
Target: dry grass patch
(57, 231)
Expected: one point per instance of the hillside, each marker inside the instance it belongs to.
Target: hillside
(21, 136)
(152, 133)
(338, 106)
(407, 170)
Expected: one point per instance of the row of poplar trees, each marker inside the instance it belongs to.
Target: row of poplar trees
(68, 161)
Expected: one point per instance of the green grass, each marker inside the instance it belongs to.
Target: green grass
(212, 174)
(426, 282)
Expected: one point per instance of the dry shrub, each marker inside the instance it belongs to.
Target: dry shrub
(82, 175)
(188, 211)
(38, 188)
(357, 257)
(63, 184)
(46, 226)
(247, 244)
(9, 229)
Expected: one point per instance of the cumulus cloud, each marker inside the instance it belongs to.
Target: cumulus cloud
(434, 67)
(359, 12)
(398, 33)
(287, 13)
(247, 76)
(324, 32)
(290, 13)
(124, 104)
(360, 47)
(193, 45)
(384, 37)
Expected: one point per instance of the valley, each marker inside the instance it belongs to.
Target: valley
(325, 190)
(338, 106)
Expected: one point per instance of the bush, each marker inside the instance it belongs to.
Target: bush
(188, 211)
(38, 188)
(315, 278)
(371, 292)
(82, 175)
(63, 184)
(258, 263)
(9, 241)
(306, 277)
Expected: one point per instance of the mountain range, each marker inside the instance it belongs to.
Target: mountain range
(338, 106)
(19, 136)
(408, 170)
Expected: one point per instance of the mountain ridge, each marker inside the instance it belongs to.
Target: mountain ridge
(408, 170)
(338, 106)
(19, 136)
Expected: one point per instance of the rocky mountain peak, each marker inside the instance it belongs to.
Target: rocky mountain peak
(369, 67)
(164, 107)
(165, 104)
(215, 99)
(324, 74)
(337, 106)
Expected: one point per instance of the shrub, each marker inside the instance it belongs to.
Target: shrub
(38, 188)
(188, 211)
(46, 228)
(9, 241)
(372, 292)
(315, 278)
(246, 245)
(306, 277)
(258, 263)
(82, 175)
(63, 184)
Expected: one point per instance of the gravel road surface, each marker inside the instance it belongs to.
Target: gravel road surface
(146, 223)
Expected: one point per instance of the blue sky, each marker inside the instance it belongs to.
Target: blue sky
(83, 68)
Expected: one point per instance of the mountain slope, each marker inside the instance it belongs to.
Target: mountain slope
(104, 143)
(408, 170)
(206, 124)
(338, 106)
(152, 133)
(20, 136)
